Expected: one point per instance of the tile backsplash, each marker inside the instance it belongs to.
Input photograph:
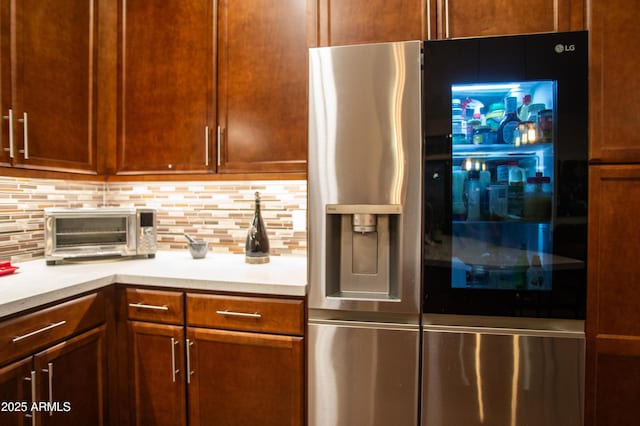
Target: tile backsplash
(219, 212)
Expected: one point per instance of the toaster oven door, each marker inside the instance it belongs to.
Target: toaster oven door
(72, 236)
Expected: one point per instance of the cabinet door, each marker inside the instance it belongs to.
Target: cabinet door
(156, 374)
(5, 80)
(15, 393)
(470, 18)
(55, 69)
(613, 329)
(613, 79)
(245, 378)
(165, 86)
(71, 379)
(369, 21)
(262, 86)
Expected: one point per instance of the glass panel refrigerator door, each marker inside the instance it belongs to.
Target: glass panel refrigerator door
(502, 185)
(505, 201)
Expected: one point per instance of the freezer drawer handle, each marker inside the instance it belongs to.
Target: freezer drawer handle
(41, 330)
(154, 307)
(239, 314)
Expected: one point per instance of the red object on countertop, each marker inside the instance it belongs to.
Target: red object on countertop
(7, 268)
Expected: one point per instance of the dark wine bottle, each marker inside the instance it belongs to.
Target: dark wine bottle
(256, 249)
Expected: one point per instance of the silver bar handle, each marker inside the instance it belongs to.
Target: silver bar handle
(189, 372)
(32, 379)
(25, 132)
(49, 372)
(10, 118)
(41, 330)
(206, 146)
(446, 19)
(174, 371)
(239, 314)
(219, 161)
(152, 307)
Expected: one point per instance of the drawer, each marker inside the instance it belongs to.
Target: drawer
(155, 306)
(283, 316)
(25, 334)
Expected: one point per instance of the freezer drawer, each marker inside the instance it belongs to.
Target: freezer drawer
(363, 374)
(502, 377)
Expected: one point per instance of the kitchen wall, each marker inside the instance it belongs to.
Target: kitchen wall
(219, 212)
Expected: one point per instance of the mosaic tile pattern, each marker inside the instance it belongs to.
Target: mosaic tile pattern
(22, 204)
(219, 212)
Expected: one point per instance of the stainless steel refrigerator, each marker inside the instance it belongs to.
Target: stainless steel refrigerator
(364, 186)
(505, 230)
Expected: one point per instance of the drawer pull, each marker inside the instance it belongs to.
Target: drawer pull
(42, 330)
(154, 307)
(239, 314)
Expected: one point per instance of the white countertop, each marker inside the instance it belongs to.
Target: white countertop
(36, 284)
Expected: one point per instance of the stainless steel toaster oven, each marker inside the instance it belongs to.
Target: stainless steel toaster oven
(92, 233)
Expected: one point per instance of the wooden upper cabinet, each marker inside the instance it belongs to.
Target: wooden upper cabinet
(614, 82)
(343, 22)
(473, 18)
(166, 86)
(48, 70)
(262, 85)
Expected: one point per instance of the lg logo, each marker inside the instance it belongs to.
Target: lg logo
(561, 48)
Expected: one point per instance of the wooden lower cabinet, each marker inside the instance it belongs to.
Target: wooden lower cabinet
(241, 378)
(156, 374)
(224, 360)
(15, 392)
(66, 382)
(613, 329)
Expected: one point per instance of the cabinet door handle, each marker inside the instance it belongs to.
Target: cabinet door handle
(174, 371)
(206, 146)
(219, 142)
(25, 132)
(446, 19)
(49, 372)
(32, 379)
(239, 314)
(10, 118)
(41, 330)
(152, 307)
(189, 372)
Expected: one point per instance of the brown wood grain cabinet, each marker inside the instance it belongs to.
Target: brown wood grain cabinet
(613, 81)
(15, 392)
(155, 357)
(157, 374)
(224, 360)
(72, 375)
(262, 85)
(343, 22)
(241, 378)
(56, 356)
(211, 86)
(166, 86)
(613, 329)
(48, 87)
(474, 18)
